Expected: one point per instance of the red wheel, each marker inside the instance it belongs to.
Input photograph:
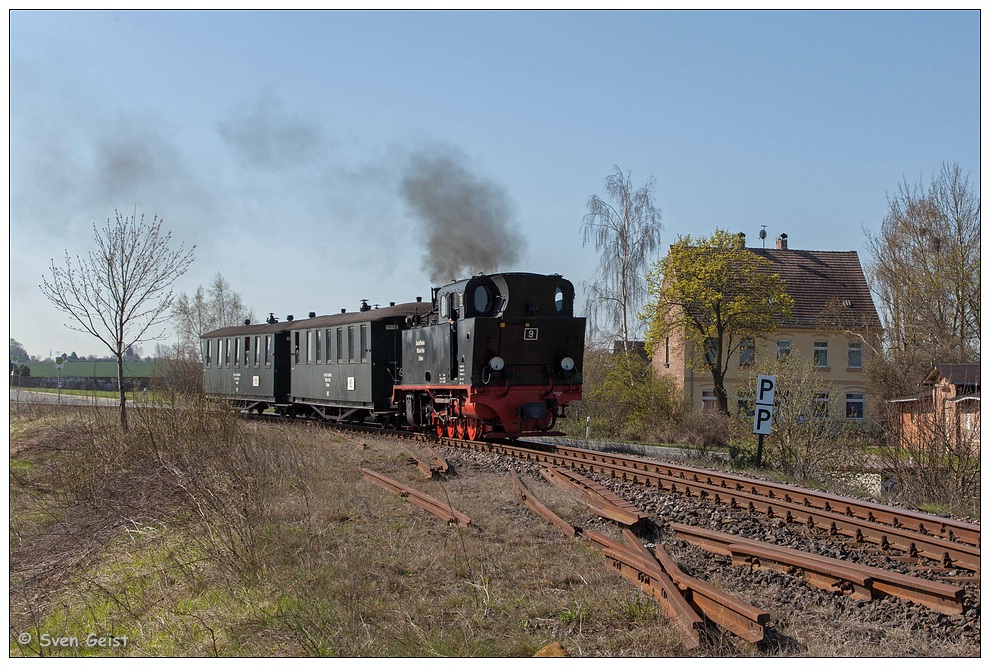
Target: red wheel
(451, 430)
(461, 428)
(439, 427)
(473, 429)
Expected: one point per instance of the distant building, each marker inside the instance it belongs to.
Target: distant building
(946, 413)
(834, 323)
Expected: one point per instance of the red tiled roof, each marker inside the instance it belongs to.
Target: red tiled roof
(824, 284)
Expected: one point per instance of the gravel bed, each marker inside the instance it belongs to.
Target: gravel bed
(802, 616)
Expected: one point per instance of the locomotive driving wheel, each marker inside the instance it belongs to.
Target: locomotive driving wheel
(473, 429)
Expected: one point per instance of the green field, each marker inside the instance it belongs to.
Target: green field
(91, 369)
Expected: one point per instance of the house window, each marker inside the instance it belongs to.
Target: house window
(855, 355)
(855, 405)
(783, 347)
(747, 352)
(666, 352)
(821, 354)
(708, 403)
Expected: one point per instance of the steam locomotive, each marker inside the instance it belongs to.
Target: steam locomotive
(492, 356)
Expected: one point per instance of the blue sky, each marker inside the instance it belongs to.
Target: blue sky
(280, 143)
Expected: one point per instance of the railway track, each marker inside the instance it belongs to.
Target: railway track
(953, 543)
(688, 600)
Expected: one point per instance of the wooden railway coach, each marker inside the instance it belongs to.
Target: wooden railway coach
(344, 365)
(248, 365)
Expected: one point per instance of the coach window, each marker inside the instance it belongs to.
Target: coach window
(257, 351)
(350, 345)
(340, 345)
(295, 346)
(317, 345)
(326, 338)
(226, 352)
(206, 352)
(310, 348)
(268, 350)
(364, 343)
(247, 351)
(237, 352)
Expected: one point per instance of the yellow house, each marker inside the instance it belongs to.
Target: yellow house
(834, 324)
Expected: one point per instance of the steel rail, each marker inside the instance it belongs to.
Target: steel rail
(598, 499)
(435, 507)
(950, 554)
(541, 510)
(926, 524)
(738, 617)
(663, 580)
(858, 581)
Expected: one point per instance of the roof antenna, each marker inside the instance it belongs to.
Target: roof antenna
(763, 235)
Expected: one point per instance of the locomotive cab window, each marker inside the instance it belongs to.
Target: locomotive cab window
(563, 302)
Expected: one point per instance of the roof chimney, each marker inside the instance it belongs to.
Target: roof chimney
(782, 242)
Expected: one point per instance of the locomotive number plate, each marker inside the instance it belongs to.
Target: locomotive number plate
(531, 333)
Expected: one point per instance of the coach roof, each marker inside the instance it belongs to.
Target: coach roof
(321, 321)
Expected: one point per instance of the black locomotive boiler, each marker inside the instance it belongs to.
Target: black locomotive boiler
(491, 356)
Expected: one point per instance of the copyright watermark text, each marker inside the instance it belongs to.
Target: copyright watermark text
(92, 640)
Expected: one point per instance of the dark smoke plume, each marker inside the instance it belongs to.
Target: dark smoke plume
(466, 221)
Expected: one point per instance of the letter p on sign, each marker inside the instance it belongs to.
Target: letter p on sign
(766, 388)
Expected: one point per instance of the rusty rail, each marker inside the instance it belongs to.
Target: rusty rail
(541, 510)
(430, 504)
(858, 581)
(916, 544)
(598, 499)
(729, 612)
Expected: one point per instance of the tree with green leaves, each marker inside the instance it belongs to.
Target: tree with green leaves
(710, 295)
(626, 233)
(120, 293)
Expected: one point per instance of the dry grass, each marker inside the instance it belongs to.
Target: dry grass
(195, 534)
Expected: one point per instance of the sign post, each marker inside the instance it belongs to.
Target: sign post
(766, 389)
(59, 362)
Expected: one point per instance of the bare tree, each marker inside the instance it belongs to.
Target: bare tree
(217, 306)
(926, 269)
(121, 292)
(626, 232)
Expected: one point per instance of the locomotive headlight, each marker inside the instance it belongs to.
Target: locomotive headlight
(567, 364)
(497, 363)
